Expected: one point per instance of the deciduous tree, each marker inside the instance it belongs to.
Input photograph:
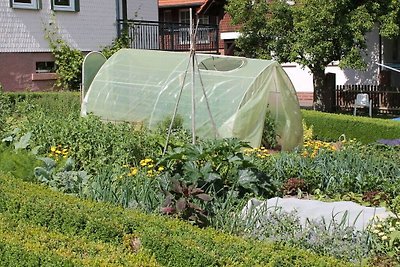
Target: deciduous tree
(312, 33)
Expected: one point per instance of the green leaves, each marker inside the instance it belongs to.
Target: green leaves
(312, 33)
(68, 60)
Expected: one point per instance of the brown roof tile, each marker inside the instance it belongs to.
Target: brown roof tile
(173, 3)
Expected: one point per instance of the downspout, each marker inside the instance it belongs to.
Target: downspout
(117, 17)
(125, 16)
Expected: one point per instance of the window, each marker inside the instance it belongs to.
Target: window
(184, 16)
(203, 19)
(25, 4)
(184, 34)
(203, 32)
(65, 5)
(167, 16)
(45, 66)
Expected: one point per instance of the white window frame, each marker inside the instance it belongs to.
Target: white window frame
(35, 4)
(71, 7)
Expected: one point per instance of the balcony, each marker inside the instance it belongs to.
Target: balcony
(167, 36)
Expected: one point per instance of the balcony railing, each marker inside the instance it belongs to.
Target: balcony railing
(156, 35)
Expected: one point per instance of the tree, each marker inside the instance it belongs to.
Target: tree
(312, 33)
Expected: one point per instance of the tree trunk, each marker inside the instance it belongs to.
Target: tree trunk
(319, 102)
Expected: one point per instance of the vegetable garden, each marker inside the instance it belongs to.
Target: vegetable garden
(184, 207)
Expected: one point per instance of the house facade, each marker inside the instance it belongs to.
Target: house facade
(207, 12)
(379, 50)
(26, 62)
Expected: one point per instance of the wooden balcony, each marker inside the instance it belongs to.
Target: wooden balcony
(167, 36)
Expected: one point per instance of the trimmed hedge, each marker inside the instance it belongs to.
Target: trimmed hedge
(18, 256)
(170, 242)
(330, 127)
(52, 248)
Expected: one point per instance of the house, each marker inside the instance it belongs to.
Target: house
(207, 12)
(26, 62)
(379, 50)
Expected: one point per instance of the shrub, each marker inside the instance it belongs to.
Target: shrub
(330, 127)
(22, 244)
(117, 44)
(68, 60)
(172, 242)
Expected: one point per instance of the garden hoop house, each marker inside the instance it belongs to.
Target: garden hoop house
(144, 86)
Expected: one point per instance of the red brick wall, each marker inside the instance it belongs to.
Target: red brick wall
(18, 72)
(225, 25)
(305, 96)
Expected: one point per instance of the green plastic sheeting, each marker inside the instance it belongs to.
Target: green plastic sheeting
(91, 65)
(144, 85)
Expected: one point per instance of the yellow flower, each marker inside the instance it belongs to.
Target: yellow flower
(376, 231)
(151, 166)
(160, 169)
(53, 149)
(134, 171)
(143, 162)
(150, 172)
(384, 237)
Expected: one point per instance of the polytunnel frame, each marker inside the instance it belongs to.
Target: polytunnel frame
(273, 76)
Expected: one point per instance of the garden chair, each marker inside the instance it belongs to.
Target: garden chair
(362, 101)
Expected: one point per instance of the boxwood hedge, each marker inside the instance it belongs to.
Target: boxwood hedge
(58, 228)
(330, 127)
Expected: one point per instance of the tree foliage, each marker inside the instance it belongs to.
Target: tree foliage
(312, 33)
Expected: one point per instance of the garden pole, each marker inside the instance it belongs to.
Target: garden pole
(192, 53)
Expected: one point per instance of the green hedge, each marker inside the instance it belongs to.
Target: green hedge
(330, 127)
(170, 242)
(37, 246)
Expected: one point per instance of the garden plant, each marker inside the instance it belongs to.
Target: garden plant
(46, 145)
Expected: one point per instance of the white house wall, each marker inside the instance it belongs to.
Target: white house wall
(143, 9)
(302, 78)
(93, 27)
